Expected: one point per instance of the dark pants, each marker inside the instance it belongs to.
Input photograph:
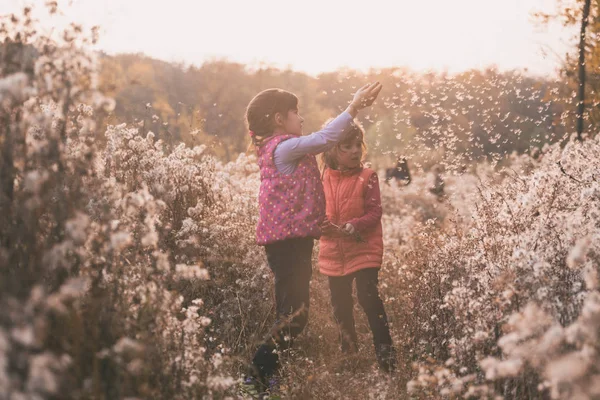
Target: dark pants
(291, 263)
(368, 297)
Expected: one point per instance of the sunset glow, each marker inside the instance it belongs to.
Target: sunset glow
(316, 36)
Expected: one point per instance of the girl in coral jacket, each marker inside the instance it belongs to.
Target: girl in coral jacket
(351, 245)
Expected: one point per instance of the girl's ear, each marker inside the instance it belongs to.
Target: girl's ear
(279, 119)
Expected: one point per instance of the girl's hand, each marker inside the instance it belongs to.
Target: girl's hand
(348, 229)
(328, 229)
(364, 97)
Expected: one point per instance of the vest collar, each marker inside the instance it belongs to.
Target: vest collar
(346, 172)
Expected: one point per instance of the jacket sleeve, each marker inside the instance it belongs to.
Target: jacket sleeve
(373, 209)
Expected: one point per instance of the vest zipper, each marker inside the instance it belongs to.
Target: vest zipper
(337, 206)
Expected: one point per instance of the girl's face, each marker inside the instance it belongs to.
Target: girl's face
(349, 153)
(292, 123)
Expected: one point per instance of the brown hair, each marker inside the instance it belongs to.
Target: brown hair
(329, 157)
(260, 113)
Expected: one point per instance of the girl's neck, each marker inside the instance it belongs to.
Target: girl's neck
(342, 169)
(279, 131)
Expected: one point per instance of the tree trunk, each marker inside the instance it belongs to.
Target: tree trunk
(581, 96)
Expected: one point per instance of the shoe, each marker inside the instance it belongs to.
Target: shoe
(386, 357)
(252, 388)
(273, 389)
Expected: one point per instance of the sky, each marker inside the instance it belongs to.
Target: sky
(323, 35)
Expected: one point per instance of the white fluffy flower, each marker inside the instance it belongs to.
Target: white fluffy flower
(578, 253)
(191, 272)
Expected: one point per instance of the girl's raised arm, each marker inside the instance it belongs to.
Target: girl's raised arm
(290, 151)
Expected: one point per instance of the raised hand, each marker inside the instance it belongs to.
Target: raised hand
(365, 96)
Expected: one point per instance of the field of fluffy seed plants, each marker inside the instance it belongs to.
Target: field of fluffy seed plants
(129, 270)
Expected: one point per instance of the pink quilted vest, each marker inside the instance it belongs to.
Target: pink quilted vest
(290, 206)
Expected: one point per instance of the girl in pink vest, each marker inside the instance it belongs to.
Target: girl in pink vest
(351, 248)
(291, 207)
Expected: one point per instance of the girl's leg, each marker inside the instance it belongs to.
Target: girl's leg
(343, 305)
(291, 263)
(368, 297)
(293, 271)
